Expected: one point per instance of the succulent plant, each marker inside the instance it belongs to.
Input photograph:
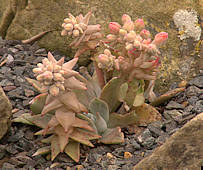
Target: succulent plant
(74, 109)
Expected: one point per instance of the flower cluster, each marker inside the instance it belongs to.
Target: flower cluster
(138, 55)
(85, 36)
(56, 76)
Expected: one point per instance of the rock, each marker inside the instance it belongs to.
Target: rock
(20, 20)
(197, 81)
(174, 105)
(174, 114)
(193, 91)
(5, 113)
(155, 128)
(192, 100)
(181, 150)
(198, 108)
(8, 166)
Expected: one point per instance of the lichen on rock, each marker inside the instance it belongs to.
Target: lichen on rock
(187, 24)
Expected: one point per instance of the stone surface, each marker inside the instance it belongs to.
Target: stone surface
(181, 151)
(20, 19)
(5, 113)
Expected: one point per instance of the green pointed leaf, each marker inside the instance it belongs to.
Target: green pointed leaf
(88, 117)
(122, 120)
(24, 118)
(37, 103)
(100, 123)
(73, 150)
(110, 93)
(42, 151)
(112, 136)
(122, 92)
(47, 140)
(83, 136)
(101, 107)
(65, 117)
(36, 85)
(55, 147)
(40, 121)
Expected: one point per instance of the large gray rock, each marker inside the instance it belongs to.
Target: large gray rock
(5, 113)
(22, 19)
(183, 150)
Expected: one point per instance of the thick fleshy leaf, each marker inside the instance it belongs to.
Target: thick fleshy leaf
(36, 85)
(122, 92)
(82, 124)
(55, 147)
(100, 123)
(24, 118)
(41, 121)
(42, 151)
(112, 136)
(146, 114)
(71, 101)
(65, 117)
(83, 136)
(63, 137)
(47, 140)
(69, 65)
(44, 132)
(38, 103)
(101, 107)
(139, 98)
(133, 87)
(122, 120)
(73, 150)
(90, 120)
(73, 83)
(51, 106)
(51, 58)
(110, 93)
(165, 97)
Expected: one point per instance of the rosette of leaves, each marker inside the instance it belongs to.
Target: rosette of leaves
(57, 109)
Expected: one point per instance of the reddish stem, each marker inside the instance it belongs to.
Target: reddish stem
(100, 75)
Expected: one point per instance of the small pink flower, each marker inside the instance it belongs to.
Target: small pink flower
(125, 18)
(160, 38)
(145, 34)
(103, 59)
(114, 27)
(139, 24)
(146, 41)
(129, 25)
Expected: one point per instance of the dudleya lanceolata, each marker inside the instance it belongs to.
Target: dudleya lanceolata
(76, 110)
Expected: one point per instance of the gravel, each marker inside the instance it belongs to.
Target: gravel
(18, 146)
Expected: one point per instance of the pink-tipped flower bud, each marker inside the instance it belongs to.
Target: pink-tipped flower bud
(37, 70)
(56, 68)
(107, 52)
(130, 36)
(111, 37)
(48, 75)
(53, 90)
(139, 24)
(67, 20)
(145, 34)
(160, 38)
(129, 47)
(103, 59)
(125, 18)
(147, 41)
(129, 25)
(68, 27)
(58, 77)
(76, 33)
(122, 32)
(40, 77)
(114, 27)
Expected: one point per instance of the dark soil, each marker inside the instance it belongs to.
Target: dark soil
(18, 146)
